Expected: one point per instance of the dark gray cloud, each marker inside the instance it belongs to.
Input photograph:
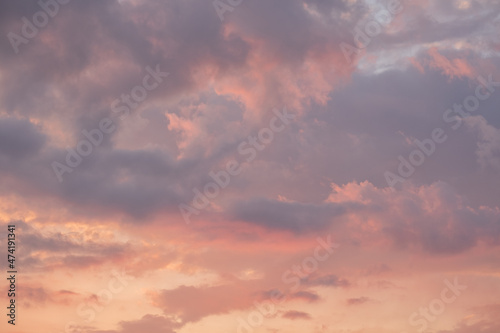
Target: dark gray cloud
(19, 138)
(295, 217)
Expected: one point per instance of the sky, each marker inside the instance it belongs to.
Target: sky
(250, 166)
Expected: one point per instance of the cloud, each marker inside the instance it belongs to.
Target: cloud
(247, 71)
(45, 250)
(488, 142)
(483, 320)
(358, 301)
(305, 295)
(293, 315)
(434, 218)
(453, 68)
(191, 304)
(19, 138)
(296, 217)
(148, 323)
(329, 280)
(323, 174)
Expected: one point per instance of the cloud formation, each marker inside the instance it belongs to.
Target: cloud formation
(117, 208)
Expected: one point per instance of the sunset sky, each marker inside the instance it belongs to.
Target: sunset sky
(251, 166)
